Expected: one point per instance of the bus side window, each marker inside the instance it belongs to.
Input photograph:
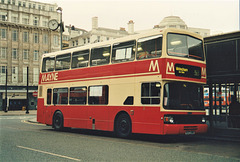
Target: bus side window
(150, 93)
(63, 62)
(60, 96)
(98, 95)
(123, 52)
(78, 95)
(48, 64)
(149, 47)
(100, 56)
(49, 96)
(80, 59)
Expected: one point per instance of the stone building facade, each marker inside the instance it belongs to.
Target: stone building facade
(24, 37)
(100, 34)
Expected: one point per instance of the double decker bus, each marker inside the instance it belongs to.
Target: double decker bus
(149, 83)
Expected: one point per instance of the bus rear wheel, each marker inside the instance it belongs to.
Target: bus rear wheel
(58, 121)
(123, 126)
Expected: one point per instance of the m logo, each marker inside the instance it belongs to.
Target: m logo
(153, 66)
(170, 68)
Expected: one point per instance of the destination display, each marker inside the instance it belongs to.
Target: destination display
(187, 71)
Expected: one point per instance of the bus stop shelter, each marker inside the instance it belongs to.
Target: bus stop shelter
(223, 79)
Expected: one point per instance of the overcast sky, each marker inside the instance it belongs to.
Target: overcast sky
(216, 15)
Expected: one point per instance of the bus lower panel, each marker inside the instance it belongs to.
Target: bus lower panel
(185, 129)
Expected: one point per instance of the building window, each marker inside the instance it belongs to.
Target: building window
(13, 2)
(35, 55)
(88, 40)
(39, 7)
(43, 7)
(25, 19)
(3, 16)
(35, 75)
(76, 42)
(98, 95)
(14, 74)
(3, 53)
(150, 93)
(55, 40)
(25, 37)
(51, 8)
(3, 69)
(73, 43)
(14, 18)
(45, 39)
(3, 74)
(34, 6)
(14, 53)
(25, 54)
(35, 21)
(24, 4)
(98, 38)
(14, 35)
(19, 3)
(36, 38)
(29, 5)
(84, 41)
(3, 33)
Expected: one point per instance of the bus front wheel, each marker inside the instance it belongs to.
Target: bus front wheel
(123, 126)
(58, 121)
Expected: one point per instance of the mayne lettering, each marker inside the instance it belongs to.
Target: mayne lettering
(49, 77)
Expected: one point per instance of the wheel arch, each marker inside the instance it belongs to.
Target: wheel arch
(54, 116)
(116, 117)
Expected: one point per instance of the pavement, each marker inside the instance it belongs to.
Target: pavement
(215, 133)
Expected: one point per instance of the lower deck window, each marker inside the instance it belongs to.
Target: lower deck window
(98, 95)
(78, 95)
(150, 93)
(49, 96)
(60, 96)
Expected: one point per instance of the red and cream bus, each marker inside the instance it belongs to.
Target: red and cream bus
(149, 83)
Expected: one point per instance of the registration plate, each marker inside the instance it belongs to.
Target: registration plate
(189, 132)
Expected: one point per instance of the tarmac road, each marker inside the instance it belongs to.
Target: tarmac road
(24, 141)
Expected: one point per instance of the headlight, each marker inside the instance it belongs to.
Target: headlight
(203, 120)
(168, 120)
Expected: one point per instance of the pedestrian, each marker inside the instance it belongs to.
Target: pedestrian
(234, 113)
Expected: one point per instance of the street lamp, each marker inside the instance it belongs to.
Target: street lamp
(59, 9)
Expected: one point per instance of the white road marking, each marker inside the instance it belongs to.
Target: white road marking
(49, 153)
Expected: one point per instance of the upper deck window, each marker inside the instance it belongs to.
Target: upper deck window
(184, 46)
(80, 59)
(100, 56)
(123, 52)
(48, 64)
(63, 62)
(149, 47)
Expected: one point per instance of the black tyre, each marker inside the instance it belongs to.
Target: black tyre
(123, 126)
(58, 121)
